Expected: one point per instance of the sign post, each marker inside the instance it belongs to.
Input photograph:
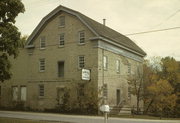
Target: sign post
(105, 109)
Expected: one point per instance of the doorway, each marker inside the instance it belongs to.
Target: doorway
(118, 94)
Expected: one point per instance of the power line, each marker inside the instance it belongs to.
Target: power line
(151, 31)
(169, 17)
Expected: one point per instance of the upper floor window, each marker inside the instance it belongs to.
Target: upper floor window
(41, 65)
(81, 37)
(129, 68)
(61, 39)
(105, 62)
(81, 61)
(62, 21)
(42, 42)
(14, 93)
(61, 69)
(41, 90)
(117, 66)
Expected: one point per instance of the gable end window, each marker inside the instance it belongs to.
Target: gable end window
(42, 42)
(41, 65)
(41, 90)
(81, 37)
(61, 39)
(81, 61)
(62, 21)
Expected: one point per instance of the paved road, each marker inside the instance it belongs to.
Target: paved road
(76, 119)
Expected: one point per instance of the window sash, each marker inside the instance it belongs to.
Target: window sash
(41, 90)
(15, 93)
(42, 42)
(81, 62)
(62, 21)
(42, 65)
(61, 39)
(117, 66)
(81, 37)
(105, 62)
(129, 68)
(23, 93)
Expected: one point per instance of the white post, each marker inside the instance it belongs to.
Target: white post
(105, 117)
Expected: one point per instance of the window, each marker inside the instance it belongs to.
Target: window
(14, 93)
(129, 92)
(61, 40)
(41, 90)
(23, 93)
(42, 42)
(117, 66)
(62, 21)
(81, 37)
(42, 65)
(81, 61)
(105, 62)
(61, 69)
(129, 68)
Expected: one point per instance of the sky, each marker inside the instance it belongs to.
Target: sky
(124, 16)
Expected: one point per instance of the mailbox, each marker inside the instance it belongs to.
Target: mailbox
(105, 108)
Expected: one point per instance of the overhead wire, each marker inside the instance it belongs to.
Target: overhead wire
(152, 31)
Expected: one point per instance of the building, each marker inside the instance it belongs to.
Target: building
(48, 71)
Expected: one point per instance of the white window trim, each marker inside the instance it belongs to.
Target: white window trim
(79, 37)
(40, 43)
(40, 65)
(79, 61)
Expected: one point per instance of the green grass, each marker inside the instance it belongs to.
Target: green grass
(144, 117)
(13, 120)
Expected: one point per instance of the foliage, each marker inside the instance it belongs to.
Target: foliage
(136, 84)
(9, 34)
(161, 88)
(161, 94)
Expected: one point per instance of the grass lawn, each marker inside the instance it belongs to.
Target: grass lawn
(13, 120)
(144, 117)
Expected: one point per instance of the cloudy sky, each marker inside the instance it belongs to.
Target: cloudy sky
(124, 16)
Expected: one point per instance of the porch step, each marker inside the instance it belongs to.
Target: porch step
(125, 110)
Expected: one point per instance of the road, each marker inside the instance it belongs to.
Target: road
(76, 118)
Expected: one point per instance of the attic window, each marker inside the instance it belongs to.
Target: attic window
(62, 21)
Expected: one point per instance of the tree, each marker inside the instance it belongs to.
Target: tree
(136, 84)
(9, 35)
(161, 94)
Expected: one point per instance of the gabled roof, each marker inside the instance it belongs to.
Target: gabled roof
(97, 28)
